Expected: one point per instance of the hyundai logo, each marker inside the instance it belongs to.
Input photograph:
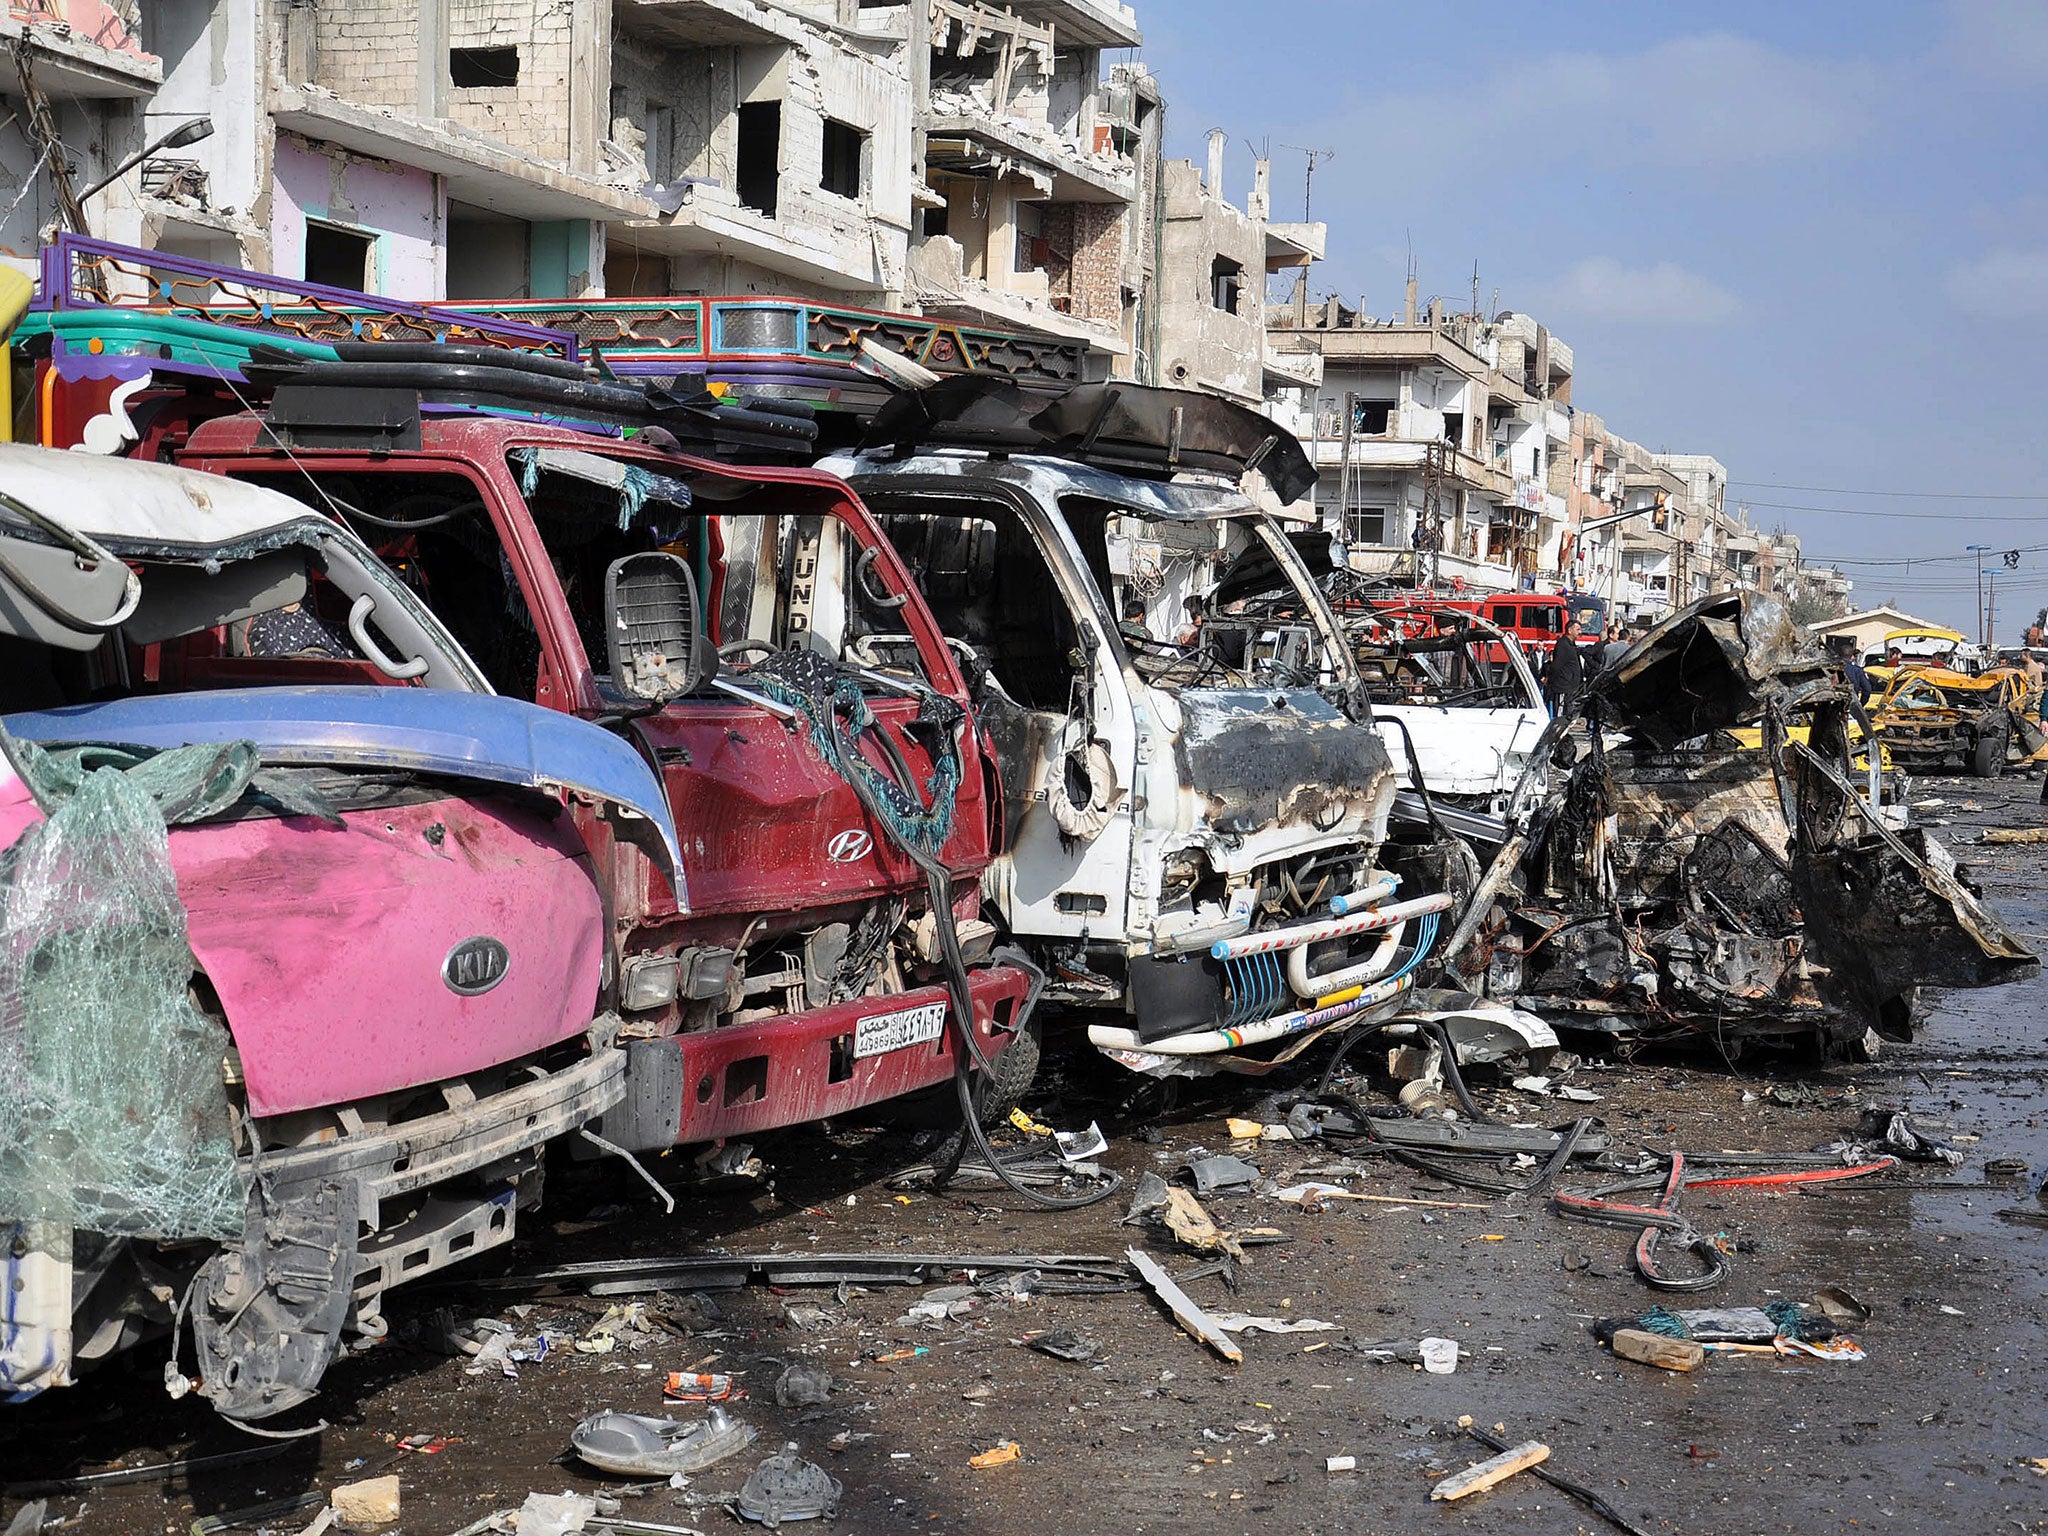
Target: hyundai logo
(475, 966)
(849, 845)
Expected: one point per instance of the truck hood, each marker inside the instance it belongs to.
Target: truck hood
(1462, 751)
(1260, 760)
(454, 735)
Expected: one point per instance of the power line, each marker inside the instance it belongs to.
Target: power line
(1835, 490)
(1945, 517)
(2024, 549)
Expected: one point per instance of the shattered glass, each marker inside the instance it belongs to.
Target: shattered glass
(113, 1113)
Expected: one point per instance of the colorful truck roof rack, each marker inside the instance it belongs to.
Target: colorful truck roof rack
(833, 357)
(81, 274)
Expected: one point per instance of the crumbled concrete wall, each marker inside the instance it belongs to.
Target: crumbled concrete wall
(209, 50)
(368, 51)
(1201, 345)
(530, 114)
(401, 207)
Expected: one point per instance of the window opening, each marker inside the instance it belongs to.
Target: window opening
(477, 68)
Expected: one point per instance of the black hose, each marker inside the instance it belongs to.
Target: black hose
(1564, 1484)
(1452, 1075)
(939, 885)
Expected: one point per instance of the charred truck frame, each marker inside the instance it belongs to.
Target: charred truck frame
(1674, 884)
(1192, 820)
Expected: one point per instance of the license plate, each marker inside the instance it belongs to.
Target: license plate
(893, 1031)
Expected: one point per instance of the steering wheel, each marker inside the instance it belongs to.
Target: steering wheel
(740, 648)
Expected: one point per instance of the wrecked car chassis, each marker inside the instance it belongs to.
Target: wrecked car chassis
(1674, 885)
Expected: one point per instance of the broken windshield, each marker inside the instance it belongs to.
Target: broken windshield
(84, 619)
(1224, 602)
(768, 579)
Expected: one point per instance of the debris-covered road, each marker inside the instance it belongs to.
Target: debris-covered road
(1934, 1430)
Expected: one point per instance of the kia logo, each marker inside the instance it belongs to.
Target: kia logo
(849, 845)
(475, 966)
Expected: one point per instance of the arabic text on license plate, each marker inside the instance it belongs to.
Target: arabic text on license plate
(893, 1031)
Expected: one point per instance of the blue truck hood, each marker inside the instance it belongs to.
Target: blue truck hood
(417, 730)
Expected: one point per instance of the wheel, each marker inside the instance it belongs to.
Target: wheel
(1987, 759)
(1010, 1077)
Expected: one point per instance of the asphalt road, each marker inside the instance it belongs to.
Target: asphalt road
(1931, 1432)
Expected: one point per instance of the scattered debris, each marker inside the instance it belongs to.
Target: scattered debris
(636, 1445)
(374, 1501)
(1221, 1172)
(802, 1386)
(1076, 1146)
(997, 1456)
(787, 1487)
(1495, 1469)
(1841, 1308)
(2015, 835)
(554, 1514)
(731, 1272)
(699, 1387)
(1244, 1322)
(1184, 1217)
(1655, 1222)
(1894, 1128)
(1656, 1349)
(1192, 1318)
(1063, 1344)
(1439, 1356)
(1550, 1475)
(212, 1525)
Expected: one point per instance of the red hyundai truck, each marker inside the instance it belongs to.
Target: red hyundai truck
(752, 631)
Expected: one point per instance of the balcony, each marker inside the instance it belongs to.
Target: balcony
(1086, 23)
(70, 67)
(1386, 452)
(964, 137)
(708, 23)
(811, 238)
(474, 168)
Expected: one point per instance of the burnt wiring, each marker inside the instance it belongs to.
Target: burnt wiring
(939, 884)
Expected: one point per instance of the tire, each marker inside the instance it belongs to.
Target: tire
(1002, 1089)
(1987, 759)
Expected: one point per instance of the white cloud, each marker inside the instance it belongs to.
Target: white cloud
(2002, 284)
(1704, 101)
(1601, 288)
(1999, 40)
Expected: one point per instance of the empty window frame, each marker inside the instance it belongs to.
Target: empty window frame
(336, 257)
(472, 68)
(1226, 284)
(844, 171)
(1365, 527)
(759, 168)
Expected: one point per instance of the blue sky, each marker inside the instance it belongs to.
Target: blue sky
(1810, 238)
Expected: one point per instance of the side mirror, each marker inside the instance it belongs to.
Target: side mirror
(654, 631)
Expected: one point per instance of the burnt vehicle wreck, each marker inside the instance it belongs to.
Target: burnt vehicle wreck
(1675, 884)
(1194, 795)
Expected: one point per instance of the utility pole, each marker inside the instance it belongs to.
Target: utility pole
(1308, 181)
(1979, 550)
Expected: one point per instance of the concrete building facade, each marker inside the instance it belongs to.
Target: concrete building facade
(1438, 438)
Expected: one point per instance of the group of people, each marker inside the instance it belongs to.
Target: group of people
(1132, 625)
(1572, 661)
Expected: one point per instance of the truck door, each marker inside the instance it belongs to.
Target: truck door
(810, 623)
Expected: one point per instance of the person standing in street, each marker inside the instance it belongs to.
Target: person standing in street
(1566, 674)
